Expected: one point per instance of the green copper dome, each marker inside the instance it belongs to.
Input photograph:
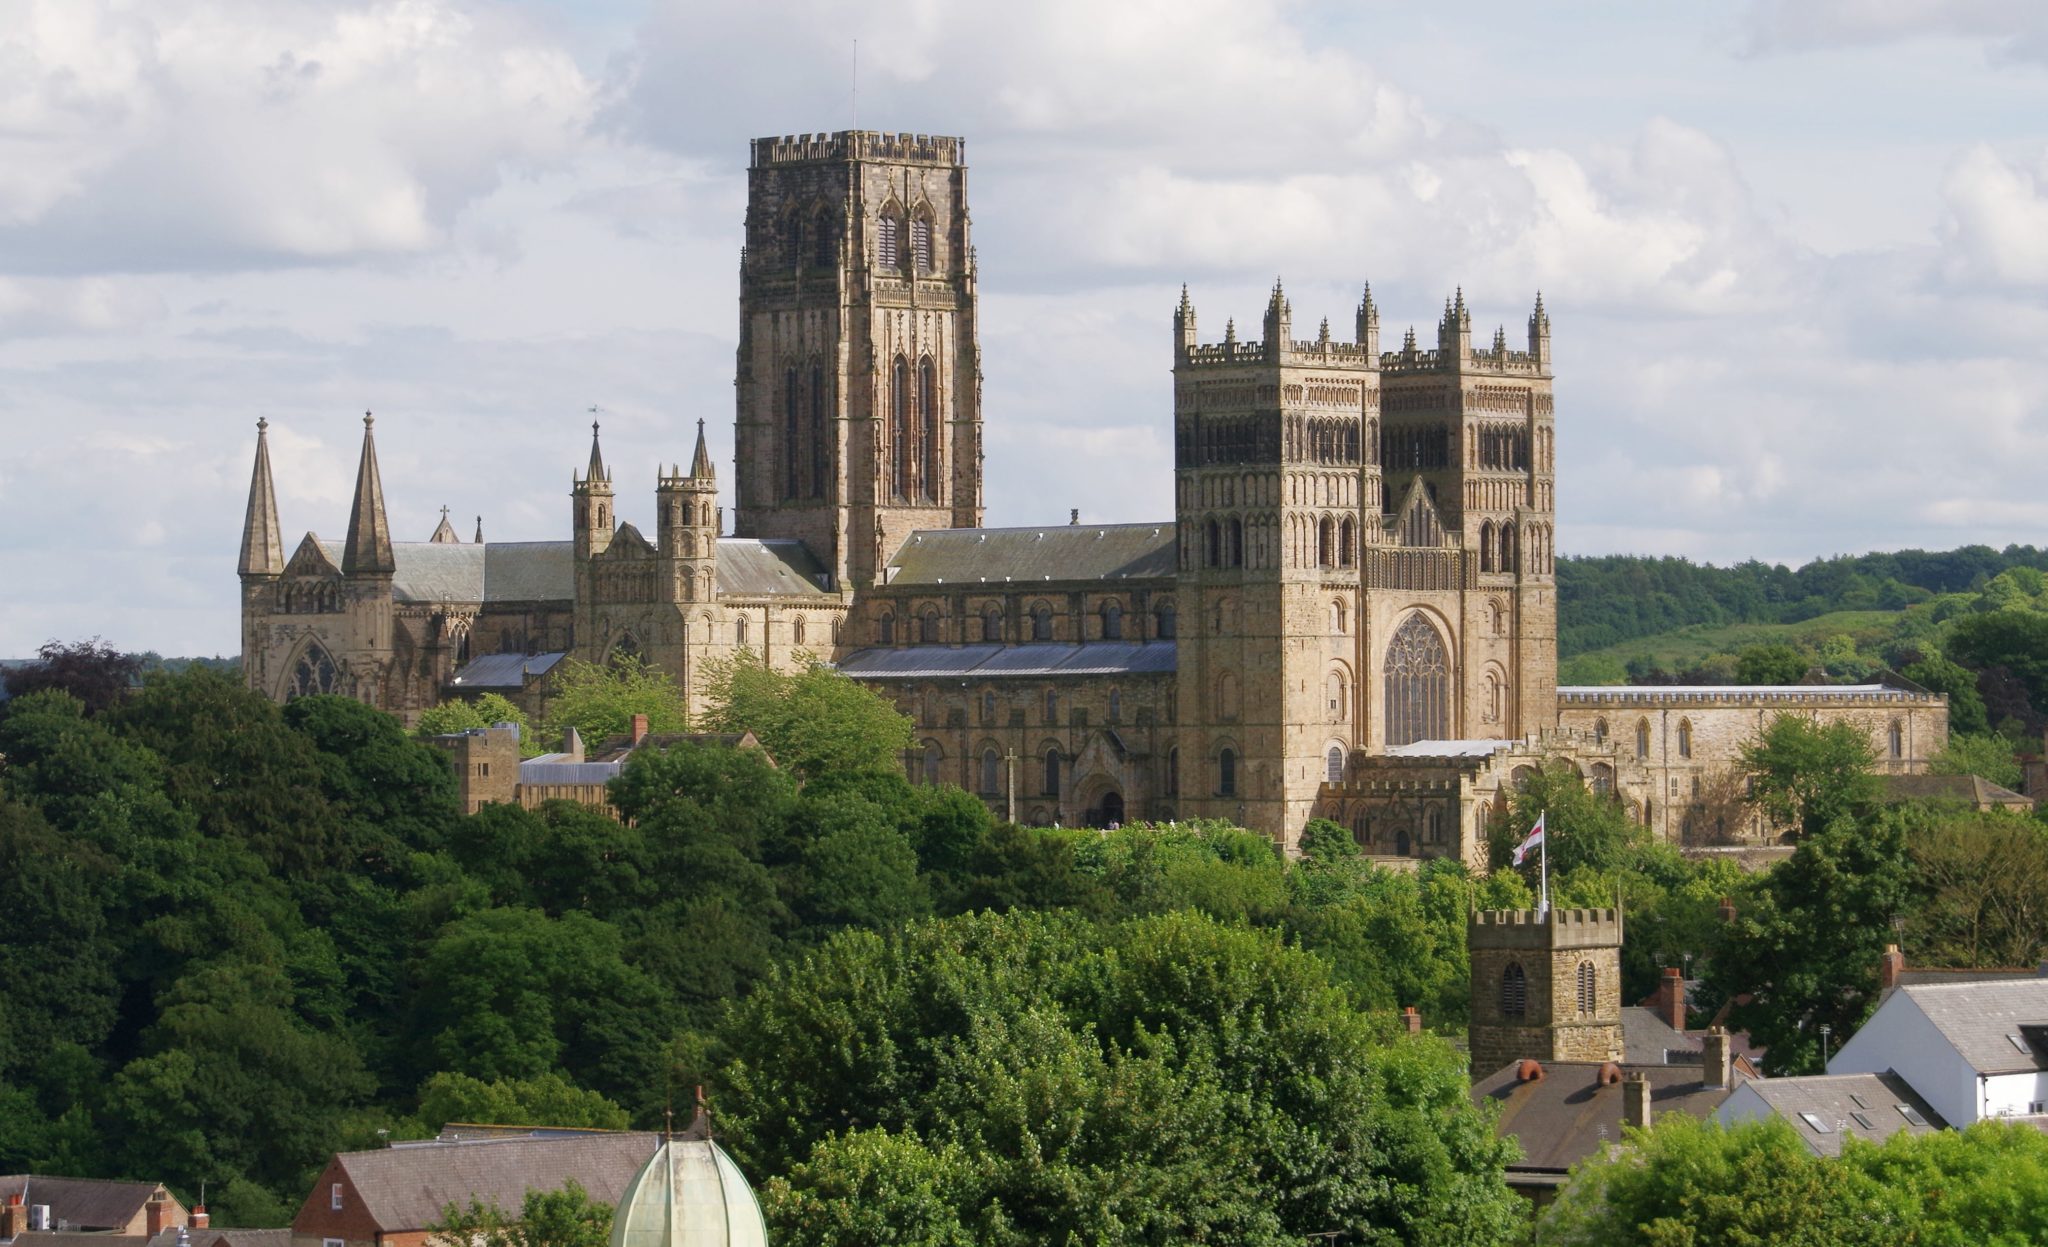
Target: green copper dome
(689, 1194)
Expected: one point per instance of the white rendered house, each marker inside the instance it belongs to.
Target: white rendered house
(1971, 1050)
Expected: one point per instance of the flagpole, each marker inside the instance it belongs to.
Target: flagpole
(1543, 866)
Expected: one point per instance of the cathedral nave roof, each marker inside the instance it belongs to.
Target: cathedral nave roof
(1055, 552)
(921, 662)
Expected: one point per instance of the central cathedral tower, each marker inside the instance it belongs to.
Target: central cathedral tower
(859, 378)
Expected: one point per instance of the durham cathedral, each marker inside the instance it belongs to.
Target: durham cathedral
(1351, 614)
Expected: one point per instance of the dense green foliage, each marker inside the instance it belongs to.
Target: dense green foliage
(1689, 1182)
(562, 1218)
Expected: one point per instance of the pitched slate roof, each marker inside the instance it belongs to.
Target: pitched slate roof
(1974, 790)
(996, 662)
(505, 671)
(410, 1187)
(1056, 552)
(212, 1237)
(1568, 1114)
(751, 568)
(1845, 1106)
(81, 1203)
(1649, 1039)
(1979, 1020)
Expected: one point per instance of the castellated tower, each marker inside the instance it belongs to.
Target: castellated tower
(859, 380)
(1276, 489)
(1545, 987)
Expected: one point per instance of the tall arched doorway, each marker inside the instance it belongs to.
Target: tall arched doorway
(1110, 813)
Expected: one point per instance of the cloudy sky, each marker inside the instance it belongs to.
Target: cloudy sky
(1795, 251)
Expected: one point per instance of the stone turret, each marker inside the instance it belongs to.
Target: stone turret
(1539, 335)
(592, 511)
(687, 531)
(1279, 325)
(1184, 323)
(1546, 986)
(1454, 333)
(367, 550)
(1368, 331)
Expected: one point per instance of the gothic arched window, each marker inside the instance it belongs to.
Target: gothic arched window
(921, 241)
(1326, 542)
(1418, 682)
(1685, 738)
(1164, 622)
(932, 762)
(1589, 995)
(988, 707)
(1514, 991)
(889, 242)
(792, 453)
(1173, 772)
(1116, 705)
(315, 672)
(739, 631)
(797, 630)
(991, 771)
(1236, 542)
(1051, 787)
(1041, 623)
(1226, 773)
(1642, 738)
(1599, 731)
(928, 406)
(1486, 546)
(886, 629)
(1895, 738)
(900, 458)
(1333, 765)
(991, 624)
(1214, 546)
(821, 451)
(928, 628)
(1112, 621)
(1347, 543)
(824, 251)
(1052, 706)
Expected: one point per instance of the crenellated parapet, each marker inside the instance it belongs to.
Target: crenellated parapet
(1544, 929)
(922, 149)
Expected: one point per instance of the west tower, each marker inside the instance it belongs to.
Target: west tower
(859, 372)
(1277, 493)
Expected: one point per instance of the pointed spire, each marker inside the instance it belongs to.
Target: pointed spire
(597, 472)
(262, 543)
(444, 535)
(368, 548)
(700, 464)
(1187, 306)
(479, 530)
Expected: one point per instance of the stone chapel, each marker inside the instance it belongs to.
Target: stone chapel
(1352, 613)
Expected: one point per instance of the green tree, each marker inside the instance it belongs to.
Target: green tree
(1966, 714)
(95, 673)
(816, 722)
(1810, 774)
(547, 1099)
(1806, 953)
(600, 700)
(1582, 827)
(1980, 883)
(871, 1186)
(1776, 663)
(567, 1217)
(489, 710)
(1986, 754)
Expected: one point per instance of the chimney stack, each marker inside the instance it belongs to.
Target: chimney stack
(155, 1213)
(13, 1218)
(1671, 998)
(1893, 965)
(1716, 1058)
(1411, 1019)
(1727, 909)
(1074, 516)
(1635, 1102)
(639, 728)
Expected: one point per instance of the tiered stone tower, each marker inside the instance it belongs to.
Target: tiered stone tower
(1545, 987)
(859, 382)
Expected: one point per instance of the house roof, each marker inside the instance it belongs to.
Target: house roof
(1973, 790)
(1648, 1039)
(1062, 552)
(1569, 1114)
(1827, 1108)
(1986, 1022)
(81, 1203)
(995, 662)
(211, 1237)
(411, 1187)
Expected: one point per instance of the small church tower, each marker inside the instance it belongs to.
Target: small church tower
(687, 532)
(1546, 986)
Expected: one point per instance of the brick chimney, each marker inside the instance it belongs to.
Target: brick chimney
(1716, 1058)
(13, 1218)
(1670, 999)
(199, 1220)
(1891, 967)
(639, 728)
(1727, 909)
(156, 1213)
(1635, 1102)
(1412, 1020)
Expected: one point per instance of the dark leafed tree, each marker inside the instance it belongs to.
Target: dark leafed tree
(93, 671)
